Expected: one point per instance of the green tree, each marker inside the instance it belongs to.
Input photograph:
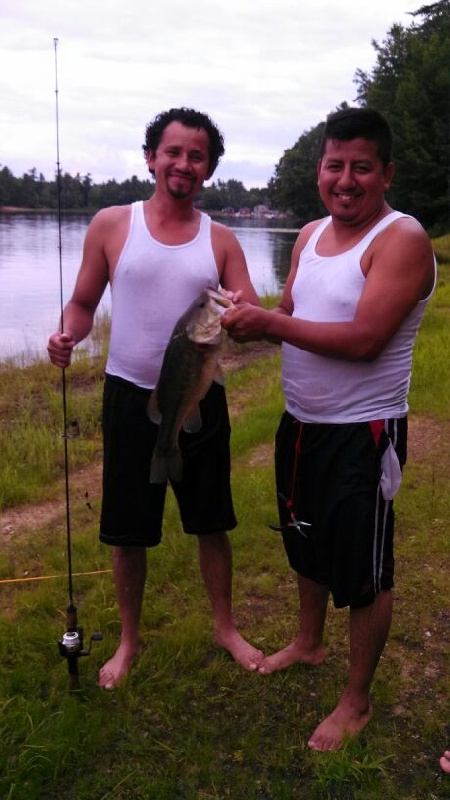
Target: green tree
(212, 197)
(237, 193)
(230, 194)
(8, 188)
(28, 188)
(294, 185)
(43, 191)
(410, 85)
(86, 186)
(256, 197)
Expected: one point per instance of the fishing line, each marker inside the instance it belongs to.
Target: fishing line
(71, 643)
(49, 577)
(61, 302)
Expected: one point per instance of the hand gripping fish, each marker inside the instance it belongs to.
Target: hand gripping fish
(190, 364)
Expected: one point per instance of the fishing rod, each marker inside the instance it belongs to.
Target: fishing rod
(71, 643)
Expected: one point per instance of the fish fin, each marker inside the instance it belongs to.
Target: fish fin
(193, 422)
(164, 468)
(153, 411)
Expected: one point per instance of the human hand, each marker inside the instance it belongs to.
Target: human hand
(235, 297)
(59, 348)
(245, 322)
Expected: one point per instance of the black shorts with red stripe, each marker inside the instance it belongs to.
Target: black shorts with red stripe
(338, 527)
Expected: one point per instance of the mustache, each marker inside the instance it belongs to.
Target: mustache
(178, 173)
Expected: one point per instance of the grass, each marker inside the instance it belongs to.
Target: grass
(188, 724)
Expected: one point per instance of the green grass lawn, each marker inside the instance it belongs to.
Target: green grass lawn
(188, 723)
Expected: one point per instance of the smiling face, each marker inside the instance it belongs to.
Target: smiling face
(352, 180)
(181, 161)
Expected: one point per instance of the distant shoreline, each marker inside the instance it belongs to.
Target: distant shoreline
(15, 209)
(25, 210)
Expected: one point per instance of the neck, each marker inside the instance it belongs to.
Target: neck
(171, 208)
(171, 222)
(353, 228)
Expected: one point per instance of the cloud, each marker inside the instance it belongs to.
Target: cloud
(265, 72)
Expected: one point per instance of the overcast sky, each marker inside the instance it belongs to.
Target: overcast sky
(265, 70)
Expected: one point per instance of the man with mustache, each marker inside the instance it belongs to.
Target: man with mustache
(157, 256)
(359, 283)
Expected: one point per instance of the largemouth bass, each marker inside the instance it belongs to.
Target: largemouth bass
(190, 364)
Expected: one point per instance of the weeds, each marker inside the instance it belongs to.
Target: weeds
(339, 774)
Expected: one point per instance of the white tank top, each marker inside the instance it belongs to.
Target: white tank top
(331, 390)
(153, 285)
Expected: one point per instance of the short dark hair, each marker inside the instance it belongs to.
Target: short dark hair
(365, 123)
(192, 119)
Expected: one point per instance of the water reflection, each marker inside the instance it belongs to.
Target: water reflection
(268, 253)
(30, 292)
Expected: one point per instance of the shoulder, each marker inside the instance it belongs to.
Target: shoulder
(403, 248)
(408, 227)
(405, 232)
(112, 215)
(221, 230)
(306, 232)
(310, 227)
(223, 237)
(108, 220)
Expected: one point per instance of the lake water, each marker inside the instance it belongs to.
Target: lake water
(30, 293)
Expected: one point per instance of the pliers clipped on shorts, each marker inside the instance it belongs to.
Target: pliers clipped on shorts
(298, 524)
(294, 523)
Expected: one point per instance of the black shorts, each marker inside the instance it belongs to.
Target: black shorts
(132, 508)
(330, 477)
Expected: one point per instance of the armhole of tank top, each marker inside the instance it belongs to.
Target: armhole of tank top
(137, 213)
(205, 223)
(431, 292)
(384, 223)
(315, 236)
(134, 216)
(381, 226)
(137, 221)
(205, 233)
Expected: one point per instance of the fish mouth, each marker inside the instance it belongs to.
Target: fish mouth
(206, 329)
(219, 299)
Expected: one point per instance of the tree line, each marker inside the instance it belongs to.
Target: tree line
(409, 84)
(79, 192)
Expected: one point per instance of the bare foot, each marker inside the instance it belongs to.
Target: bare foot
(445, 761)
(114, 670)
(292, 654)
(344, 721)
(242, 651)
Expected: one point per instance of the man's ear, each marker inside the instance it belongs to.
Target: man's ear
(388, 175)
(150, 160)
(319, 164)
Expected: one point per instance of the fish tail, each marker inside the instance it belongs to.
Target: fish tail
(164, 468)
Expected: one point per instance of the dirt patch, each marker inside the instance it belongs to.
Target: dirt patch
(425, 435)
(84, 483)
(239, 356)
(261, 456)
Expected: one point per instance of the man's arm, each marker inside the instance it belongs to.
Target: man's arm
(401, 272)
(92, 279)
(231, 263)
